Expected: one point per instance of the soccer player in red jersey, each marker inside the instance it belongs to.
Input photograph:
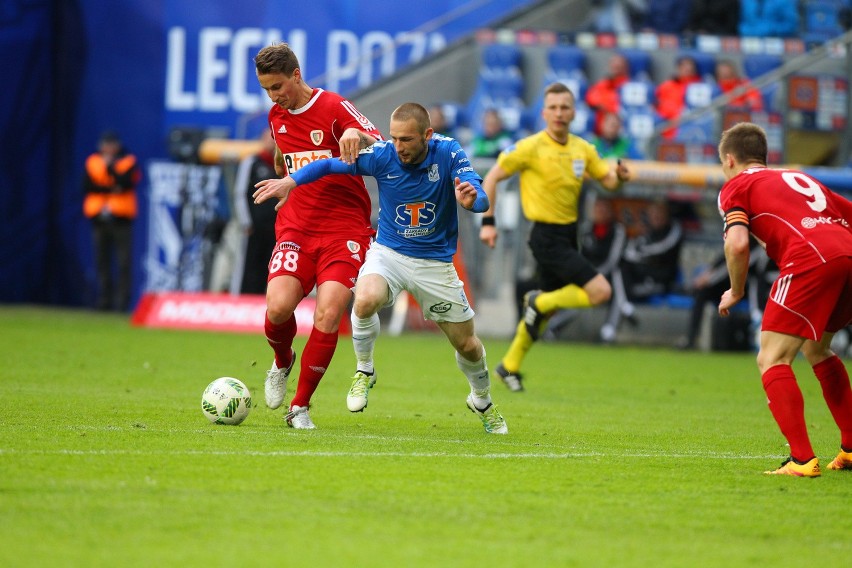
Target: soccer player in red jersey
(807, 231)
(322, 231)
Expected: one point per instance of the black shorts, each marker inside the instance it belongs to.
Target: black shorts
(559, 260)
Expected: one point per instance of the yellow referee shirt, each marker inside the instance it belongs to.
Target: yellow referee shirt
(551, 174)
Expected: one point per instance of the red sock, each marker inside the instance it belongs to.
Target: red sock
(280, 338)
(837, 393)
(315, 359)
(788, 409)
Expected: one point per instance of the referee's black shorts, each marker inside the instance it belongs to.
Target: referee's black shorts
(559, 260)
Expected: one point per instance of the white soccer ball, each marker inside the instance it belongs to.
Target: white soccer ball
(226, 401)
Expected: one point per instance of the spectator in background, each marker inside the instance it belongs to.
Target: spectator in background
(671, 94)
(604, 95)
(603, 244)
(652, 260)
(729, 79)
(769, 18)
(716, 17)
(711, 282)
(667, 16)
(611, 142)
(439, 121)
(256, 221)
(109, 184)
(493, 138)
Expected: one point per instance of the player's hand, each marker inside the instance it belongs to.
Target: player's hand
(465, 193)
(350, 145)
(273, 188)
(488, 235)
(622, 171)
(728, 301)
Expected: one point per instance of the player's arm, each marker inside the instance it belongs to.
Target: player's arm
(737, 252)
(352, 142)
(279, 162)
(616, 176)
(471, 196)
(281, 188)
(488, 231)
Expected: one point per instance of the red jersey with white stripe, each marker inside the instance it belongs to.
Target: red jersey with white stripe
(336, 204)
(801, 222)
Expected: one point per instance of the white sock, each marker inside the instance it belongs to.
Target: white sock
(476, 373)
(364, 334)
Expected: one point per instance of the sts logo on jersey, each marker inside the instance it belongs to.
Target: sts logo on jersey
(416, 219)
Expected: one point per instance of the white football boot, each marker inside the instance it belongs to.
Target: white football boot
(356, 399)
(275, 386)
(299, 418)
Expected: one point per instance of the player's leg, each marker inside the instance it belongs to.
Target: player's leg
(338, 263)
(101, 241)
(570, 281)
(834, 380)
(799, 307)
(828, 368)
(470, 359)
(441, 296)
(371, 293)
(283, 294)
(777, 352)
(123, 263)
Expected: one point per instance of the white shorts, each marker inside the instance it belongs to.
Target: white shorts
(434, 284)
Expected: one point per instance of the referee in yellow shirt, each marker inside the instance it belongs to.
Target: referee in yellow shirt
(551, 164)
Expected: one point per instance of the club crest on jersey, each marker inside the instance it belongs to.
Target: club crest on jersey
(579, 166)
(433, 173)
(353, 246)
(316, 137)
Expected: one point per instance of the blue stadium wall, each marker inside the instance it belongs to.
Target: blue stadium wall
(75, 68)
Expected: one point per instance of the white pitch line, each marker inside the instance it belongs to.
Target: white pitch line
(330, 454)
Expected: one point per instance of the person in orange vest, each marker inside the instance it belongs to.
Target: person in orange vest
(109, 184)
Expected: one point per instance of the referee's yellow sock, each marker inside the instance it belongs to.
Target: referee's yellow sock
(518, 349)
(570, 296)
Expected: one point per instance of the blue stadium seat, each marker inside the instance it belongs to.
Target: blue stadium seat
(566, 60)
(701, 94)
(501, 59)
(823, 16)
(755, 65)
(454, 114)
(640, 63)
(501, 92)
(639, 123)
(637, 95)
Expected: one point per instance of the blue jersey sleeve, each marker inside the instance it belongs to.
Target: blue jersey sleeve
(463, 170)
(320, 168)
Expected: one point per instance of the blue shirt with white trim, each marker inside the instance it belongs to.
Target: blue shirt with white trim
(418, 212)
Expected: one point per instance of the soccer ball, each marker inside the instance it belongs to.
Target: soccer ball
(226, 401)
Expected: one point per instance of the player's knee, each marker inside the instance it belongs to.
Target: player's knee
(278, 309)
(470, 348)
(365, 306)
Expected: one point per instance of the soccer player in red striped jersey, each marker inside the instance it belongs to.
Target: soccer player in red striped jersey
(807, 231)
(322, 231)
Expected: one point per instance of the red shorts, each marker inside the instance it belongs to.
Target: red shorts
(317, 259)
(807, 303)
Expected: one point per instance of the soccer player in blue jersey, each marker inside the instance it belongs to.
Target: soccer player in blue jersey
(421, 176)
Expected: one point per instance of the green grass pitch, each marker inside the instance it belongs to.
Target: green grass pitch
(616, 456)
